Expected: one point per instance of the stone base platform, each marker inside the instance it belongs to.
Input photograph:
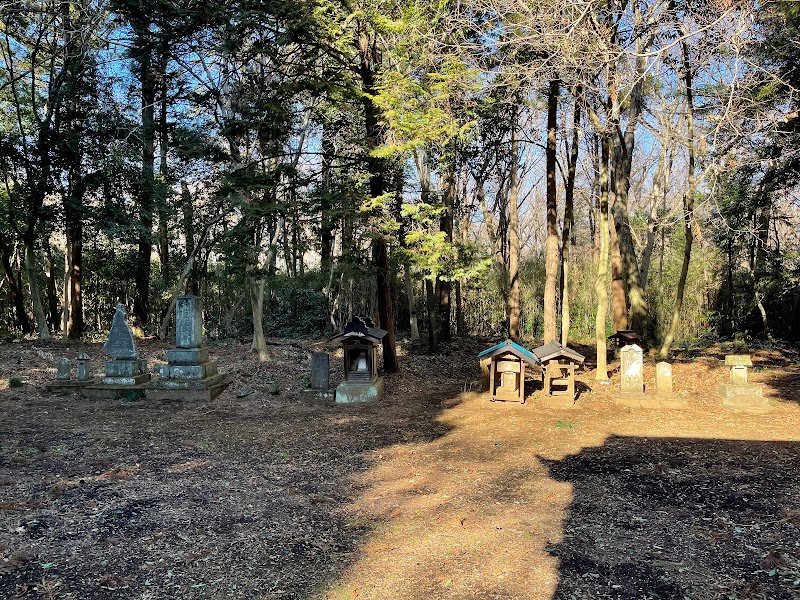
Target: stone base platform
(744, 397)
(630, 399)
(73, 385)
(204, 389)
(348, 393)
(664, 402)
(127, 380)
(312, 394)
(115, 392)
(562, 401)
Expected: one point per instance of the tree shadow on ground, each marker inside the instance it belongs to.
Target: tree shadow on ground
(237, 498)
(680, 518)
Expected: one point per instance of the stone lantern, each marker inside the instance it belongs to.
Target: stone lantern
(360, 340)
(83, 367)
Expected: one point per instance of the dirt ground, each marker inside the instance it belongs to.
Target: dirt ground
(434, 492)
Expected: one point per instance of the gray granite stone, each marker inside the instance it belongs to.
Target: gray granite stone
(187, 371)
(84, 372)
(187, 356)
(189, 322)
(320, 371)
(120, 344)
(63, 369)
(122, 381)
(348, 392)
(125, 368)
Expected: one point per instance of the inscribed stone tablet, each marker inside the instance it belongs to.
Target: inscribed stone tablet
(189, 322)
(320, 371)
(120, 344)
(63, 369)
(664, 379)
(631, 367)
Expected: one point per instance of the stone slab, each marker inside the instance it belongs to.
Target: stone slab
(125, 380)
(348, 392)
(320, 371)
(203, 371)
(187, 356)
(734, 390)
(631, 369)
(189, 384)
(115, 392)
(205, 394)
(71, 385)
(125, 368)
(664, 379)
(747, 404)
(738, 360)
(189, 322)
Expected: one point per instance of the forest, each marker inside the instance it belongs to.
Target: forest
(554, 170)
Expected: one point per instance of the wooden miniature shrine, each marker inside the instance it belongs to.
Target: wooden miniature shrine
(558, 368)
(360, 340)
(625, 337)
(507, 362)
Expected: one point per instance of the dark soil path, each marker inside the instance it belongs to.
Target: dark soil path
(432, 493)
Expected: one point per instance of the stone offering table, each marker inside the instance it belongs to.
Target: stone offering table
(506, 366)
(738, 394)
(558, 373)
(188, 374)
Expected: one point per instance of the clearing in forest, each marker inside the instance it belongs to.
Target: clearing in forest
(434, 492)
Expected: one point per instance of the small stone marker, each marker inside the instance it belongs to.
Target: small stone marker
(83, 367)
(631, 367)
(320, 371)
(189, 322)
(664, 379)
(63, 369)
(738, 394)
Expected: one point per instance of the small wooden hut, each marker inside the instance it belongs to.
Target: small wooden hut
(558, 368)
(507, 362)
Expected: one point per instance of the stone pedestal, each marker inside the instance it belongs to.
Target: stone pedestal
(188, 374)
(745, 397)
(349, 392)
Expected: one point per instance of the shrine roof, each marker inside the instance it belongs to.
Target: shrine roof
(554, 350)
(512, 347)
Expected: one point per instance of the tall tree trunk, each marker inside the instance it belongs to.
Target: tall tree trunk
(163, 170)
(619, 307)
(513, 232)
(551, 245)
(443, 287)
(433, 317)
(369, 59)
(569, 193)
(147, 76)
(412, 305)
(52, 297)
(15, 293)
(32, 270)
(688, 204)
(327, 221)
(601, 279)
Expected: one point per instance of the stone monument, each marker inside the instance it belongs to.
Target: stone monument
(84, 374)
(188, 374)
(739, 394)
(320, 371)
(631, 376)
(63, 369)
(64, 379)
(664, 397)
(126, 373)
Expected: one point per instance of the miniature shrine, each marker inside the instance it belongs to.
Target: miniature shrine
(507, 364)
(360, 340)
(558, 368)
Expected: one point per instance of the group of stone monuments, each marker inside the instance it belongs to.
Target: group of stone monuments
(503, 374)
(188, 373)
(361, 383)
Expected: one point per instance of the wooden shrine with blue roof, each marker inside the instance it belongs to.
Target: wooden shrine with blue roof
(506, 370)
